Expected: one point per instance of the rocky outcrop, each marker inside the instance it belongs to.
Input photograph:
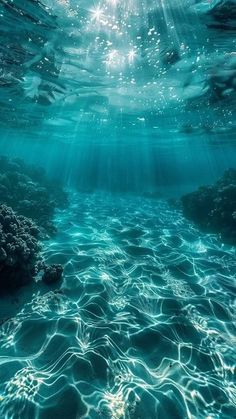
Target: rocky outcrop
(213, 208)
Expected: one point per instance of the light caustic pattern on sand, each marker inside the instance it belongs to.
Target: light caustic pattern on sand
(142, 327)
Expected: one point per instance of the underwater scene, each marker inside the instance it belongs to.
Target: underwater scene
(117, 209)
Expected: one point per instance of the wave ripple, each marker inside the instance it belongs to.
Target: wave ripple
(143, 326)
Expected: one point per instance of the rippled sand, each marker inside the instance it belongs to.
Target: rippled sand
(142, 327)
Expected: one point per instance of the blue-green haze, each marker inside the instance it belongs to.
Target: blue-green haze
(129, 105)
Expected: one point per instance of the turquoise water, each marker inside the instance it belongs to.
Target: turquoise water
(142, 326)
(129, 105)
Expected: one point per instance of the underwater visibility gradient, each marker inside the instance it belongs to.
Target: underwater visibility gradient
(117, 209)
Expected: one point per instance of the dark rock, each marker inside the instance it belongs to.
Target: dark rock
(213, 208)
(52, 274)
(30, 192)
(19, 249)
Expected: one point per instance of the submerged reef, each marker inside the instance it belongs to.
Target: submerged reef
(19, 249)
(213, 208)
(30, 192)
(52, 273)
(28, 199)
(20, 258)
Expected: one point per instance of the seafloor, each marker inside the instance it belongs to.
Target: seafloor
(142, 326)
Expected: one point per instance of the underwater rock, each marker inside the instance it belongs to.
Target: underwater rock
(52, 273)
(19, 249)
(20, 259)
(213, 208)
(30, 192)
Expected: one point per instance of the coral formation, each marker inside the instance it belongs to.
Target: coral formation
(213, 208)
(20, 258)
(52, 274)
(19, 249)
(30, 192)
(28, 200)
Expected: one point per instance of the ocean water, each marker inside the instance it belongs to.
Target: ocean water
(128, 105)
